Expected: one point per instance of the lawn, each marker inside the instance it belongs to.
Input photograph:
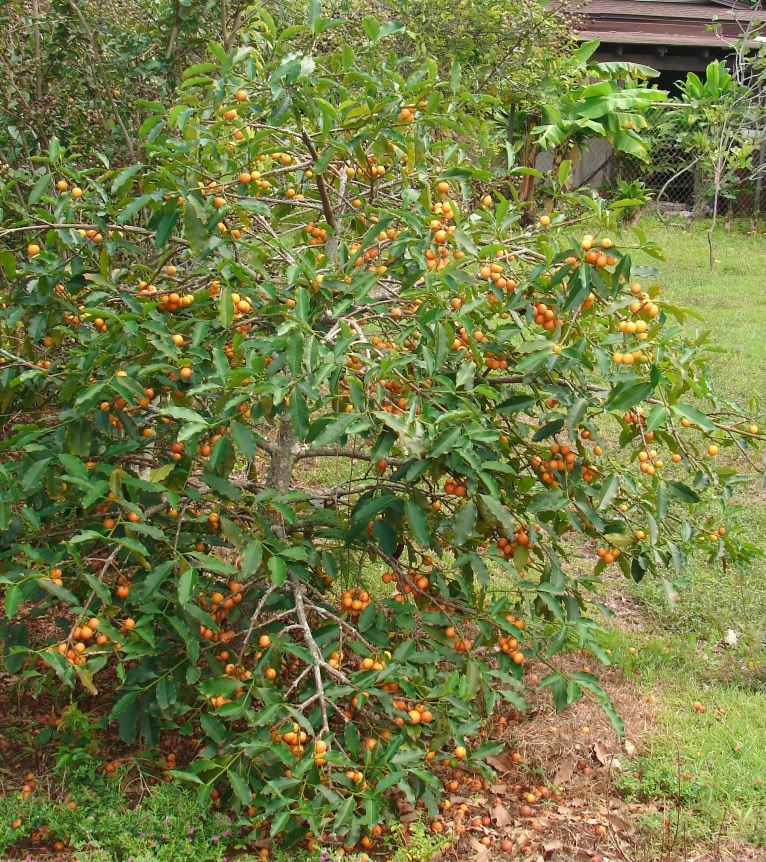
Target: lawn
(717, 757)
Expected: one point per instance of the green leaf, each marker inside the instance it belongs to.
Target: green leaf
(626, 395)
(159, 474)
(156, 578)
(696, 417)
(334, 431)
(124, 177)
(225, 308)
(464, 522)
(278, 569)
(251, 558)
(244, 440)
(418, 522)
(575, 415)
(500, 513)
(657, 417)
(343, 815)
(516, 404)
(185, 586)
(682, 492)
(445, 441)
(184, 414)
(133, 207)
(167, 692)
(299, 414)
(609, 491)
(314, 15)
(41, 185)
(195, 226)
(8, 263)
(13, 598)
(240, 787)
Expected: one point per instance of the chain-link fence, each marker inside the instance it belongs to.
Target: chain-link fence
(673, 179)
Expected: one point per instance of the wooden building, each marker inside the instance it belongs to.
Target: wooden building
(672, 36)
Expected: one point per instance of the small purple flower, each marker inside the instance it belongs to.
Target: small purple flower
(216, 838)
(191, 830)
(226, 833)
(324, 855)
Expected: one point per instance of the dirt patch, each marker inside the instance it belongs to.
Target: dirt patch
(628, 612)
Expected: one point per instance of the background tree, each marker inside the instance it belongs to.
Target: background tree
(305, 267)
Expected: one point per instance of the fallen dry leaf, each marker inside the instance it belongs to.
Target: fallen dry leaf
(502, 763)
(501, 816)
(550, 847)
(602, 752)
(566, 770)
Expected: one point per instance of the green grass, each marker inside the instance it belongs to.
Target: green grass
(708, 767)
(731, 298)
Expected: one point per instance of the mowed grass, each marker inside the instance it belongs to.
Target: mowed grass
(731, 298)
(708, 769)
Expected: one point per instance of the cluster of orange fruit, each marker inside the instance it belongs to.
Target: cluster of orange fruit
(460, 644)
(463, 339)
(407, 114)
(205, 448)
(646, 457)
(563, 458)
(495, 273)
(219, 605)
(507, 547)
(57, 576)
(295, 738)
(714, 536)
(418, 714)
(410, 584)
(608, 555)
(642, 305)
(509, 644)
(455, 488)
(80, 639)
(29, 786)
(317, 235)
(545, 316)
(354, 601)
(495, 362)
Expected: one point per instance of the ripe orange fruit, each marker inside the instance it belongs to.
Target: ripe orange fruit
(76, 192)
(186, 373)
(33, 249)
(241, 96)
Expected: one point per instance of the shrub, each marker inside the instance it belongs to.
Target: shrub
(306, 267)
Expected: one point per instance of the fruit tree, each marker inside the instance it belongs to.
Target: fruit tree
(301, 424)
